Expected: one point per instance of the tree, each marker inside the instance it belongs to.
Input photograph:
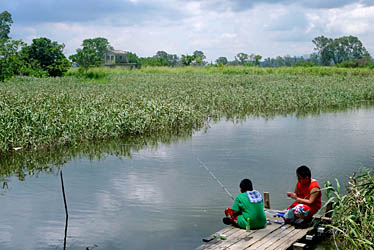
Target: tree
(323, 46)
(92, 53)
(100, 45)
(162, 57)
(268, 62)
(187, 59)
(199, 57)
(257, 59)
(221, 60)
(279, 61)
(132, 57)
(242, 58)
(85, 58)
(168, 59)
(172, 59)
(288, 60)
(48, 55)
(348, 48)
(152, 61)
(11, 62)
(314, 59)
(338, 50)
(5, 23)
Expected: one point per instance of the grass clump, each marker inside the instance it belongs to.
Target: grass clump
(353, 212)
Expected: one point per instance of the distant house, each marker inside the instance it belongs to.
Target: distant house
(115, 57)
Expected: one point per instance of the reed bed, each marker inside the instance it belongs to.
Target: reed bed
(43, 112)
(353, 212)
(246, 70)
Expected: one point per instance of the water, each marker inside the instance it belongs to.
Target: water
(157, 196)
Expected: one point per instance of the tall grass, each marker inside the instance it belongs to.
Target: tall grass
(37, 113)
(246, 70)
(353, 212)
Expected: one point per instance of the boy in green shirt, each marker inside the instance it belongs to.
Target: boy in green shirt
(247, 204)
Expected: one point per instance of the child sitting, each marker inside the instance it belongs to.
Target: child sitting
(247, 204)
(307, 195)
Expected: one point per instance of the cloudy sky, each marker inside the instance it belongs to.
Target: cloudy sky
(217, 27)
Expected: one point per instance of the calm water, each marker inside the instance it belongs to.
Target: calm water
(160, 197)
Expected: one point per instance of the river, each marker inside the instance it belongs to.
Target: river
(160, 197)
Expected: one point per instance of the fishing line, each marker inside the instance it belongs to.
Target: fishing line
(215, 178)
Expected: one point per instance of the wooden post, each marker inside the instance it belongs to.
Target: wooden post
(266, 200)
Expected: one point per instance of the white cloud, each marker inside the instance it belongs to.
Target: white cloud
(354, 20)
(218, 28)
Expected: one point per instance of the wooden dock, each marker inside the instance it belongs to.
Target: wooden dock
(274, 236)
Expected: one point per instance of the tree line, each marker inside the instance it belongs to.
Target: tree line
(44, 57)
(92, 54)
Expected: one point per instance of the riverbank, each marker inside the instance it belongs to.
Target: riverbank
(43, 112)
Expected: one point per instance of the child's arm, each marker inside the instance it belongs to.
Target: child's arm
(313, 196)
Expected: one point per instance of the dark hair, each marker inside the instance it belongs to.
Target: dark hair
(246, 185)
(304, 171)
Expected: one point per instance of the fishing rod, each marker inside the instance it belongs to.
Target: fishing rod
(215, 178)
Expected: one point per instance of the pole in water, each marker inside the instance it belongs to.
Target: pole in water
(214, 177)
(66, 209)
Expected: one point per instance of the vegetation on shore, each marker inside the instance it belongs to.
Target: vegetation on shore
(353, 212)
(37, 113)
(101, 72)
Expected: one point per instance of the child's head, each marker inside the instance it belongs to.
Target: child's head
(246, 185)
(303, 174)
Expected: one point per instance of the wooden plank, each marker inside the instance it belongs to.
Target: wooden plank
(231, 240)
(257, 235)
(298, 234)
(273, 237)
(228, 231)
(287, 240)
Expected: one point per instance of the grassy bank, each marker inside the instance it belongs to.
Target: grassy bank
(353, 217)
(36, 113)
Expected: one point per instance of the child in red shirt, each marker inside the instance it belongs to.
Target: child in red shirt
(307, 197)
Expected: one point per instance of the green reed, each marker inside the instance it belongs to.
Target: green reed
(353, 212)
(43, 112)
(247, 70)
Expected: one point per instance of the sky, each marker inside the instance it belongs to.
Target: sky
(269, 28)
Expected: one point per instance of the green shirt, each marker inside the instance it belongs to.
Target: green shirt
(254, 211)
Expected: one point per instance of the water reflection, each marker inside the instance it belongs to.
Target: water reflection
(31, 163)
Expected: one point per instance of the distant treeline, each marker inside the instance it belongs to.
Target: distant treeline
(44, 57)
